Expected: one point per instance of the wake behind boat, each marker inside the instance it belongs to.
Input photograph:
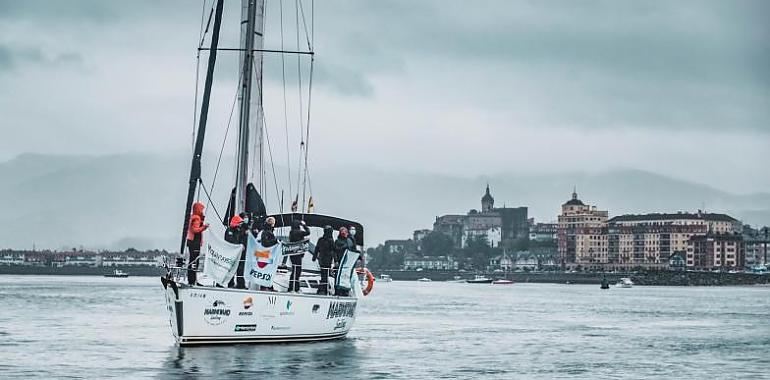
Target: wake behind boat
(256, 286)
(625, 282)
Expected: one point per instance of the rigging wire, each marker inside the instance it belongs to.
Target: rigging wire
(307, 127)
(304, 23)
(197, 72)
(267, 137)
(227, 131)
(285, 108)
(208, 195)
(299, 96)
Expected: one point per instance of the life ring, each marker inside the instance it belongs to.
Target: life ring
(369, 280)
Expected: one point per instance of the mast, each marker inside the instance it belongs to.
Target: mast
(195, 167)
(250, 102)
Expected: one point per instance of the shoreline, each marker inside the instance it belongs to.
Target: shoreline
(640, 278)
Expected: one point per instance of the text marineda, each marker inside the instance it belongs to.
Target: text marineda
(341, 309)
(216, 311)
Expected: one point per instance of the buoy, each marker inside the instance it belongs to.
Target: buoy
(369, 280)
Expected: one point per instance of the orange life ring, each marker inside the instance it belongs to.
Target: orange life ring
(369, 280)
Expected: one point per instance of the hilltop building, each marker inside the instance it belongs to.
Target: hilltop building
(500, 226)
(581, 234)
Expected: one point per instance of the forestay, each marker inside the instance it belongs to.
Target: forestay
(221, 257)
(261, 262)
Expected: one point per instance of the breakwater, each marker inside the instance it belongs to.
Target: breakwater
(79, 270)
(643, 278)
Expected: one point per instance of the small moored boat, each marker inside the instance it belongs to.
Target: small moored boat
(424, 279)
(502, 281)
(117, 273)
(385, 278)
(480, 280)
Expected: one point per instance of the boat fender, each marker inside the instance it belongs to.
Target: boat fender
(369, 280)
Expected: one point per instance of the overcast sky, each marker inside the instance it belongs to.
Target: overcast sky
(681, 88)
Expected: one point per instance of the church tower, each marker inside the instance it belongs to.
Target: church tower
(487, 202)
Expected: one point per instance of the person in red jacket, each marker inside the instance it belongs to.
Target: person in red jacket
(194, 232)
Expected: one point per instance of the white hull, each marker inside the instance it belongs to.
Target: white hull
(207, 315)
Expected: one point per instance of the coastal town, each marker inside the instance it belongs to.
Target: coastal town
(583, 238)
(492, 239)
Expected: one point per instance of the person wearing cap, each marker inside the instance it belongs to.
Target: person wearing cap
(194, 239)
(298, 233)
(236, 234)
(324, 253)
(268, 239)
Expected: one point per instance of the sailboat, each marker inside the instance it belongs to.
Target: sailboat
(210, 310)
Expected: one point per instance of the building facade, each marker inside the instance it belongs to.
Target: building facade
(430, 263)
(650, 240)
(581, 234)
(716, 251)
(503, 226)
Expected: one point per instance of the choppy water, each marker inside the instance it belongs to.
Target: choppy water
(92, 327)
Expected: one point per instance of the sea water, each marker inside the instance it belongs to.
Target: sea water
(94, 327)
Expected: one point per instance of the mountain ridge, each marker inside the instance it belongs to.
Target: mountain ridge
(136, 200)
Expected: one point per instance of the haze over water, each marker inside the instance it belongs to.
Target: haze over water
(93, 327)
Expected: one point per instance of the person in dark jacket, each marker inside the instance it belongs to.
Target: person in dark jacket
(194, 238)
(352, 239)
(324, 253)
(268, 237)
(298, 233)
(268, 240)
(341, 245)
(236, 234)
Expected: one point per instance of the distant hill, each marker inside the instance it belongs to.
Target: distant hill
(136, 200)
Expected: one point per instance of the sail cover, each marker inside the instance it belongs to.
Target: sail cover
(261, 262)
(221, 257)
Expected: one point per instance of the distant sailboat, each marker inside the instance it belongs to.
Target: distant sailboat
(211, 313)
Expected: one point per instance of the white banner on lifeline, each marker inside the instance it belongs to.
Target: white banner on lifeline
(345, 272)
(221, 257)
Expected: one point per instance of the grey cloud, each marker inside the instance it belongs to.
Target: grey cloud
(15, 58)
(6, 58)
(60, 11)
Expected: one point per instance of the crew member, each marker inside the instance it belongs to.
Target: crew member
(236, 234)
(194, 231)
(268, 239)
(352, 239)
(324, 253)
(298, 233)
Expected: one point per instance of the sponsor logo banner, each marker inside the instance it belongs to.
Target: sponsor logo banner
(340, 324)
(261, 262)
(217, 313)
(221, 257)
(242, 328)
(341, 309)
